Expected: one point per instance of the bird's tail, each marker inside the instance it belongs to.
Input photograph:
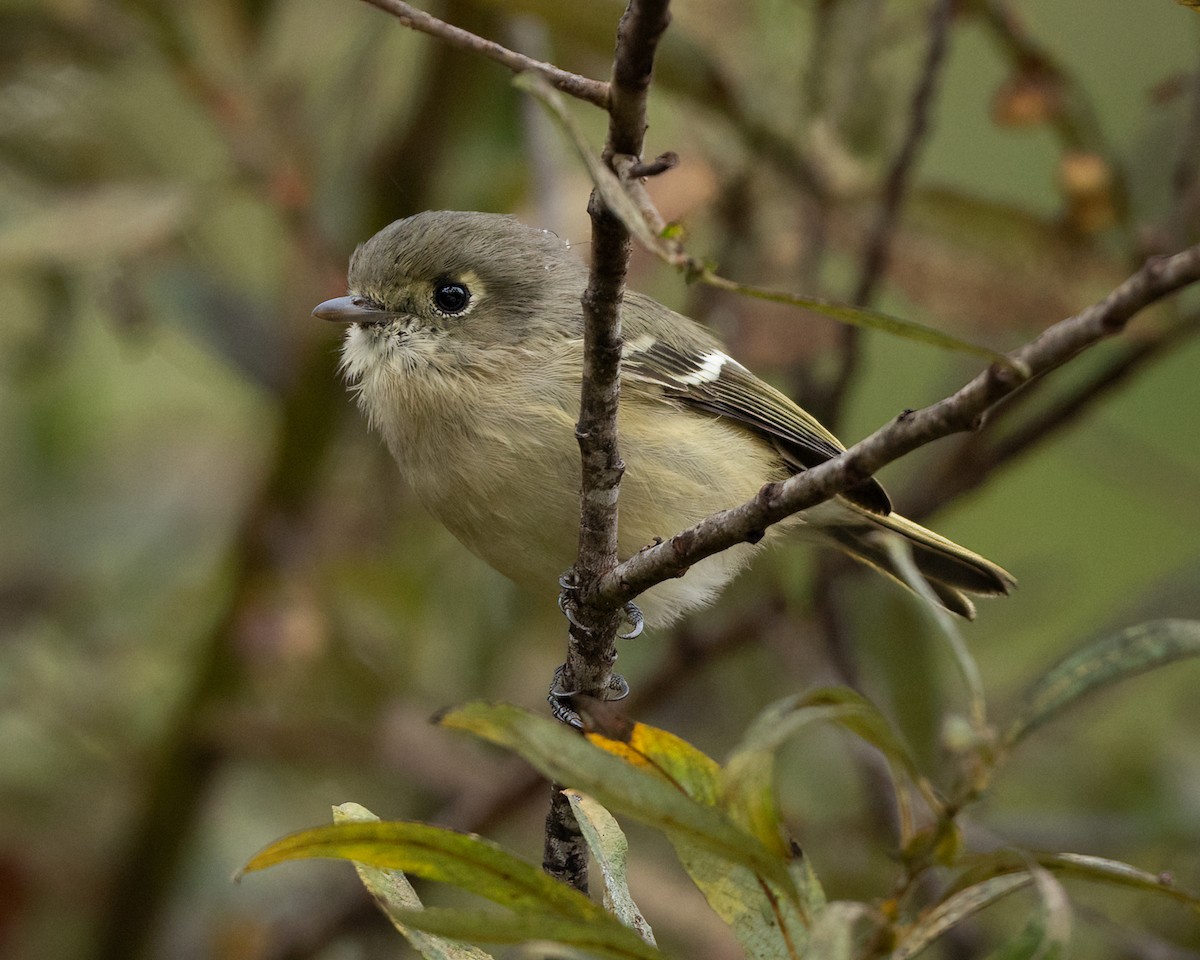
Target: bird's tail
(952, 571)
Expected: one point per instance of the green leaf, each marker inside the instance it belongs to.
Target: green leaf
(435, 853)
(396, 898)
(869, 319)
(900, 552)
(1077, 866)
(627, 786)
(606, 938)
(542, 908)
(953, 910)
(610, 849)
(766, 922)
(1047, 933)
(843, 929)
(748, 776)
(1126, 654)
(767, 925)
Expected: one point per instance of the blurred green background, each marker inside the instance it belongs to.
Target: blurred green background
(221, 611)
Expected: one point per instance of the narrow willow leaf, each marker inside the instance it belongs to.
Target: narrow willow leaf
(842, 930)
(748, 776)
(626, 210)
(395, 896)
(1114, 872)
(607, 185)
(605, 938)
(900, 552)
(768, 924)
(610, 849)
(1078, 866)
(869, 319)
(953, 910)
(435, 853)
(1047, 933)
(1133, 651)
(692, 771)
(645, 794)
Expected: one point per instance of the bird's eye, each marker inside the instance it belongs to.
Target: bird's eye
(451, 297)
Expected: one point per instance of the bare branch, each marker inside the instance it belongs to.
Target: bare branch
(591, 650)
(583, 88)
(962, 411)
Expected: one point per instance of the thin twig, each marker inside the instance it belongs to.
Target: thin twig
(895, 190)
(1158, 278)
(584, 88)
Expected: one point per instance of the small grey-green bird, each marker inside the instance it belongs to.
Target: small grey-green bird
(464, 347)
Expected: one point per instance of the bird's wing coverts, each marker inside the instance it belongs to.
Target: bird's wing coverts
(709, 380)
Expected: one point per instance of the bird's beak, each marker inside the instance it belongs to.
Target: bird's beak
(351, 310)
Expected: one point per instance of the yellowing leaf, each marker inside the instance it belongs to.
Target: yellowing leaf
(636, 791)
(435, 853)
(671, 757)
(541, 908)
(397, 899)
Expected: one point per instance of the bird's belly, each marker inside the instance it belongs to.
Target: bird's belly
(509, 492)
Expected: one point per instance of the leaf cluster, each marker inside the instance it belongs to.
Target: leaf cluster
(725, 825)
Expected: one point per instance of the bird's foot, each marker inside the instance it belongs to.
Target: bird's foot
(559, 697)
(566, 603)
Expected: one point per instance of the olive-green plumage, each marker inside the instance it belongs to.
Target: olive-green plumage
(465, 349)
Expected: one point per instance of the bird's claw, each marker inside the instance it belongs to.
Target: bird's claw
(566, 604)
(558, 697)
(637, 623)
(566, 600)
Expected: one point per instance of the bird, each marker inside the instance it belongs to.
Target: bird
(464, 349)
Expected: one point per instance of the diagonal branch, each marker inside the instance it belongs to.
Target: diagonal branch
(585, 88)
(974, 463)
(964, 410)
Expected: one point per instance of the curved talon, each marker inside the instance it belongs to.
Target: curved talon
(558, 697)
(618, 688)
(564, 714)
(556, 689)
(567, 608)
(636, 620)
(566, 602)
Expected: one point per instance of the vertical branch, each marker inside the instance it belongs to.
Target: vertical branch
(592, 644)
(895, 191)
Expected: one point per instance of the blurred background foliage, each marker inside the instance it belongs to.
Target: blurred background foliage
(221, 610)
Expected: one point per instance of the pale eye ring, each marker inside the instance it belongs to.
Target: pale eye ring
(451, 297)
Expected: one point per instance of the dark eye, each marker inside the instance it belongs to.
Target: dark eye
(451, 297)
